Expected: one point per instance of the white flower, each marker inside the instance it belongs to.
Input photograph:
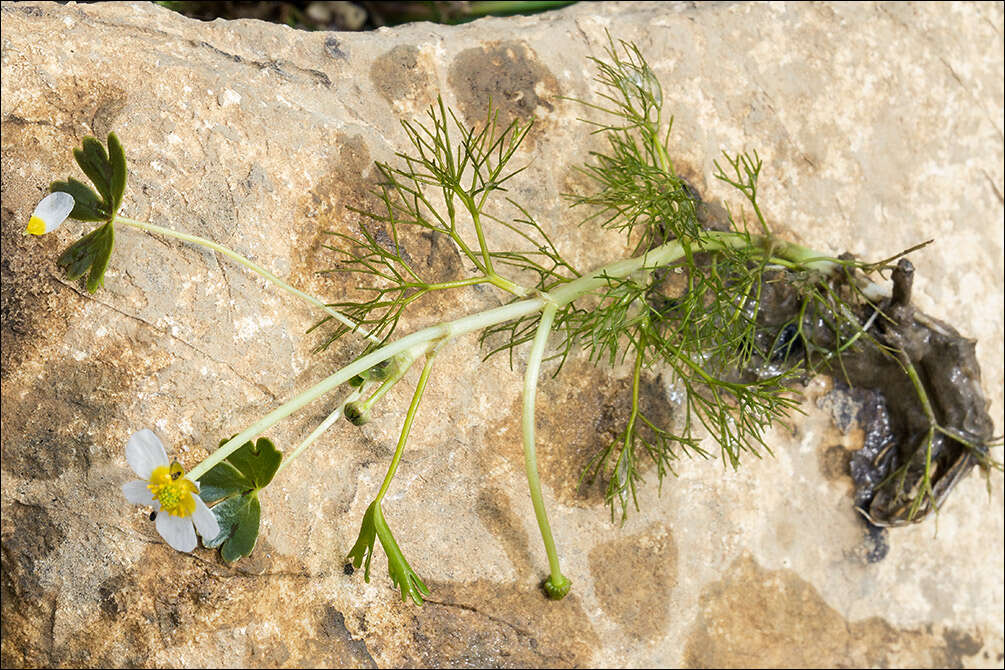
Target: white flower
(173, 496)
(50, 213)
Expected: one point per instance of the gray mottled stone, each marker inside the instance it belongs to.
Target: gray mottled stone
(880, 126)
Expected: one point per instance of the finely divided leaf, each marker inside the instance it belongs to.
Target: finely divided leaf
(402, 576)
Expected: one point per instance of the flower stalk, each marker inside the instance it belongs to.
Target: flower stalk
(557, 585)
(247, 263)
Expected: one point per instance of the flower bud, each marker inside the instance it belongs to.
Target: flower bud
(355, 413)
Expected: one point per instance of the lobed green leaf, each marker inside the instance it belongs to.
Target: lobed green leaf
(362, 551)
(93, 161)
(107, 171)
(102, 254)
(233, 485)
(223, 481)
(87, 205)
(239, 518)
(90, 252)
(117, 180)
(257, 462)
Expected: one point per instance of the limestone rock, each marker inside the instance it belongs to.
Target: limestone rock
(880, 126)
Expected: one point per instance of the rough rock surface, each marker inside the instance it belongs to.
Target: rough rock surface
(880, 126)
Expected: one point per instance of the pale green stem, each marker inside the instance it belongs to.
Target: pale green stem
(251, 265)
(661, 152)
(407, 426)
(529, 448)
(486, 256)
(658, 257)
(458, 283)
(399, 372)
(757, 212)
(317, 432)
(624, 458)
(492, 278)
(636, 383)
(509, 286)
(419, 340)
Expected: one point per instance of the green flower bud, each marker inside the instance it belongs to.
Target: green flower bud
(557, 589)
(355, 413)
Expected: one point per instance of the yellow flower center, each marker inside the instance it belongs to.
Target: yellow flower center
(170, 488)
(36, 226)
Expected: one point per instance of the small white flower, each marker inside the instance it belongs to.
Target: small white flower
(164, 486)
(50, 213)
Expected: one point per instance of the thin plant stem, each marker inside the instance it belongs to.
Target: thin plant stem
(529, 449)
(317, 432)
(418, 340)
(503, 7)
(486, 256)
(420, 388)
(251, 265)
(402, 367)
(926, 407)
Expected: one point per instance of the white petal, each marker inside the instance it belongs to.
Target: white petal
(176, 531)
(137, 492)
(53, 210)
(205, 520)
(144, 452)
